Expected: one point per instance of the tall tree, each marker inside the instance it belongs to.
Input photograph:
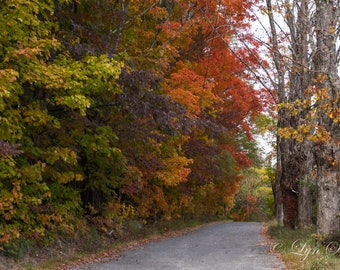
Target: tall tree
(306, 81)
(292, 79)
(326, 60)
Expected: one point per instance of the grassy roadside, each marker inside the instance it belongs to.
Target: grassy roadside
(65, 253)
(301, 250)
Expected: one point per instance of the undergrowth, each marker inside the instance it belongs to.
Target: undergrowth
(302, 250)
(90, 244)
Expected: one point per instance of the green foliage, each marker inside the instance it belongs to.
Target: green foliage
(103, 163)
(40, 85)
(17, 248)
(255, 199)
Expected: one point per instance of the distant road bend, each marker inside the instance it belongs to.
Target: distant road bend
(221, 246)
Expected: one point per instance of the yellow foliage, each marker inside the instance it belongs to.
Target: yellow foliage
(175, 171)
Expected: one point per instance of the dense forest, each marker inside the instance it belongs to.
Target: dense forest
(122, 110)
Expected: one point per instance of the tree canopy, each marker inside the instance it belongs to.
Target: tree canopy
(122, 110)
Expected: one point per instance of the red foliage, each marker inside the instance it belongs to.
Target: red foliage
(243, 161)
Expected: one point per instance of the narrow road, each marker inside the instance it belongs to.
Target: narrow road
(222, 246)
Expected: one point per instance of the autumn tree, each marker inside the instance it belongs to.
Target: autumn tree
(44, 92)
(293, 77)
(306, 79)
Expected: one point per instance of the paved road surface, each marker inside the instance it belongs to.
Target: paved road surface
(222, 246)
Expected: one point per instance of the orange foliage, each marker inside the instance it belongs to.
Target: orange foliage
(190, 89)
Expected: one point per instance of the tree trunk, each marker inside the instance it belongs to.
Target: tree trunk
(285, 181)
(305, 201)
(300, 79)
(277, 185)
(285, 195)
(328, 202)
(328, 155)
